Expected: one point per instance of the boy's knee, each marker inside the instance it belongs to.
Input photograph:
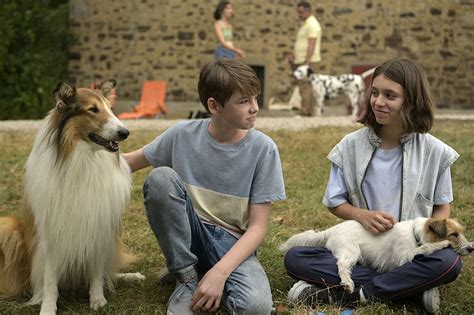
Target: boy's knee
(159, 181)
(161, 175)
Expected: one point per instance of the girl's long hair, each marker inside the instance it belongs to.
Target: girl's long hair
(416, 114)
(219, 9)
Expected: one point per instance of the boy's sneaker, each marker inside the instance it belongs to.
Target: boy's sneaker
(430, 300)
(311, 295)
(180, 300)
(165, 276)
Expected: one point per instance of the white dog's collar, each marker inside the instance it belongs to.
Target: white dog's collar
(417, 236)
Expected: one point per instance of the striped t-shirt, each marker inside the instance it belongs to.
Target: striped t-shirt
(221, 179)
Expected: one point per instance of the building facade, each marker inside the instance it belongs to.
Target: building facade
(137, 40)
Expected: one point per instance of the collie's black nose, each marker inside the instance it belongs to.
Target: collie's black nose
(123, 133)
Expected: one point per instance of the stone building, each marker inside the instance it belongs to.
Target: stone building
(137, 40)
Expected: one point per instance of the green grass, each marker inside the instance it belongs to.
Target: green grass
(306, 171)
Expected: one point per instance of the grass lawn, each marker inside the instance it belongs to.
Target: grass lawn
(306, 171)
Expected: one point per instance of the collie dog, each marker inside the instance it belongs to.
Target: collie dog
(76, 188)
(351, 243)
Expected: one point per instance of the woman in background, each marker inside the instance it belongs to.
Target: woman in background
(223, 30)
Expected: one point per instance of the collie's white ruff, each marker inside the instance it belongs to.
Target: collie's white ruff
(351, 243)
(76, 201)
(77, 210)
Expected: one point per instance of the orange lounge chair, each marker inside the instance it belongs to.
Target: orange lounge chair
(152, 101)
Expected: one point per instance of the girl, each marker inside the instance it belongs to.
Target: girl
(223, 29)
(392, 170)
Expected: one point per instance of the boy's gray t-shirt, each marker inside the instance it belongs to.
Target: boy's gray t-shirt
(221, 179)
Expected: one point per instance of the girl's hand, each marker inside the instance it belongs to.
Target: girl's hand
(376, 222)
(241, 53)
(208, 294)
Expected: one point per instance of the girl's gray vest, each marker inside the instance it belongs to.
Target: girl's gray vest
(424, 159)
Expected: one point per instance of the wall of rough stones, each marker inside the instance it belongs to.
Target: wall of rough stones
(170, 40)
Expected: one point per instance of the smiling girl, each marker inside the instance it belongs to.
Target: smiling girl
(392, 170)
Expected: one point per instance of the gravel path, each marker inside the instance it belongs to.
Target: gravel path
(267, 123)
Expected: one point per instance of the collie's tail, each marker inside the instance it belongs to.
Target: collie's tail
(307, 238)
(14, 258)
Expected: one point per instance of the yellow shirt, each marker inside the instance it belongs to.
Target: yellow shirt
(310, 29)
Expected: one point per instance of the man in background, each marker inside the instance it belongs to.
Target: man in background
(307, 50)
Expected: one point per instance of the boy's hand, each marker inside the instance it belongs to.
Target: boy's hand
(208, 294)
(376, 222)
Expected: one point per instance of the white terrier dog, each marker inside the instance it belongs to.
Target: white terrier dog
(351, 243)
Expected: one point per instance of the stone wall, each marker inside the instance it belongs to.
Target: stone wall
(170, 40)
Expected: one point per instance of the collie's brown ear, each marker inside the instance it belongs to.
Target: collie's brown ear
(107, 86)
(439, 228)
(62, 93)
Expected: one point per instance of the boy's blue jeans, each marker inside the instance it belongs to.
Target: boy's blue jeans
(187, 242)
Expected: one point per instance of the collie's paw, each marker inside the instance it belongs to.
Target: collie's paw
(136, 276)
(48, 309)
(97, 301)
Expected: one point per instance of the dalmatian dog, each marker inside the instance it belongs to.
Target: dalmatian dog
(326, 87)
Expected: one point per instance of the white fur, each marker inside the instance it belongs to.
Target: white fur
(351, 243)
(77, 208)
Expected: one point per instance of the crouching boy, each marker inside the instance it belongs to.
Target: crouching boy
(209, 194)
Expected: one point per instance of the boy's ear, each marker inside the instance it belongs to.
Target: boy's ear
(212, 105)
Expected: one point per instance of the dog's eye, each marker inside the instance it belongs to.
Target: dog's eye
(94, 109)
(454, 234)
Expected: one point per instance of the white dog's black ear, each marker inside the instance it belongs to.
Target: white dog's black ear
(107, 86)
(310, 71)
(62, 94)
(439, 228)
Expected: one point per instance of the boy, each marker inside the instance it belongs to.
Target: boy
(208, 197)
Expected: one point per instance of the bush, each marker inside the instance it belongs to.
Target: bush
(34, 42)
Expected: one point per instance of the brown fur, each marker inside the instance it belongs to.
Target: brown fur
(445, 229)
(14, 258)
(73, 114)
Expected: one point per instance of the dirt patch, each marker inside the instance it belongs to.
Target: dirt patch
(268, 123)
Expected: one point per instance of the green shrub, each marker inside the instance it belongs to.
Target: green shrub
(34, 41)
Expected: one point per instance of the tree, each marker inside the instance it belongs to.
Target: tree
(34, 46)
